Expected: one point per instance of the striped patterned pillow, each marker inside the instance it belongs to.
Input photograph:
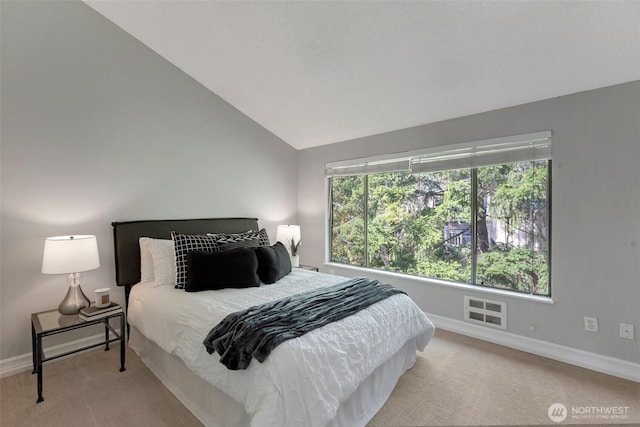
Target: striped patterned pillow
(249, 239)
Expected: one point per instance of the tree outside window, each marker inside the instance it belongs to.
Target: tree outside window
(487, 226)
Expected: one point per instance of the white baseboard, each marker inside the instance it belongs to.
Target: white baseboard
(17, 364)
(584, 359)
(595, 362)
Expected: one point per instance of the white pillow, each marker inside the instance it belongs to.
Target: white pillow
(164, 261)
(146, 260)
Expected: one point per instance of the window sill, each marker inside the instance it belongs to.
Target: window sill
(425, 280)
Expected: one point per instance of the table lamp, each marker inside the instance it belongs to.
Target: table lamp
(71, 255)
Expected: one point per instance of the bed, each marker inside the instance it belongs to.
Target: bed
(338, 375)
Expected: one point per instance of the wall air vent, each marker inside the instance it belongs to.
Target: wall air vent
(486, 312)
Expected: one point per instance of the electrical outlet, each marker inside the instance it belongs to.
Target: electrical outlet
(626, 331)
(591, 324)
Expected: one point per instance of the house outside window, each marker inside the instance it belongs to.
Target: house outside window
(475, 213)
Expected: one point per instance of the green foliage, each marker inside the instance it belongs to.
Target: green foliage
(515, 268)
(294, 246)
(419, 224)
(347, 212)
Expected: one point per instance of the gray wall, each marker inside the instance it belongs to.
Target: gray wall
(98, 128)
(596, 220)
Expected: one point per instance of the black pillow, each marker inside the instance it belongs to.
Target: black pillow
(235, 268)
(273, 262)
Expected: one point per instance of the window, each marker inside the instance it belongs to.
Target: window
(476, 213)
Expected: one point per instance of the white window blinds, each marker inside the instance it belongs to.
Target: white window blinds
(366, 167)
(517, 148)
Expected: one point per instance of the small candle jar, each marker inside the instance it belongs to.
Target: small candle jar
(102, 297)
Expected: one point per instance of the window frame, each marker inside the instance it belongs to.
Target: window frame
(376, 164)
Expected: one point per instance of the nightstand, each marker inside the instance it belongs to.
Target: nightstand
(309, 267)
(47, 323)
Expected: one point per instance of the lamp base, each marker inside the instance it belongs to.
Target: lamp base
(73, 301)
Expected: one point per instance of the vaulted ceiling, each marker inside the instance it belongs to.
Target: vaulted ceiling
(319, 72)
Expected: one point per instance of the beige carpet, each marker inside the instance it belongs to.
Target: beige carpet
(88, 390)
(459, 380)
(456, 381)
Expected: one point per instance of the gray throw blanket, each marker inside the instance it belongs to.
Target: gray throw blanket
(256, 331)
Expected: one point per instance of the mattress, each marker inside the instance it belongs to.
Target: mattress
(305, 381)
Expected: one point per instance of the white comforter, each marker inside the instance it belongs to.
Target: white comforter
(304, 380)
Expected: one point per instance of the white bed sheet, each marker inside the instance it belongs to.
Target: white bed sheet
(214, 408)
(304, 381)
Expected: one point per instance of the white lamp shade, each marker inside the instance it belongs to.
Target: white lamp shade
(70, 254)
(286, 232)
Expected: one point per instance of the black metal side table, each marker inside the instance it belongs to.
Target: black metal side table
(51, 322)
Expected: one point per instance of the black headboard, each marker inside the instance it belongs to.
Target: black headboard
(127, 247)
